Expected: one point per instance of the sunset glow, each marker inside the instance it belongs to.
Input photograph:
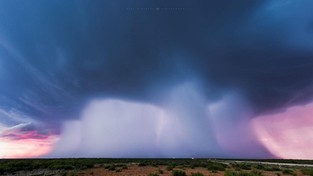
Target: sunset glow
(287, 134)
(26, 146)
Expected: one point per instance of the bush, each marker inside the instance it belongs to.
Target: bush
(307, 171)
(111, 168)
(160, 171)
(178, 173)
(142, 164)
(197, 174)
(216, 166)
(153, 174)
(118, 170)
(256, 173)
(288, 172)
(272, 168)
(260, 166)
(230, 173)
(242, 166)
(243, 173)
(169, 168)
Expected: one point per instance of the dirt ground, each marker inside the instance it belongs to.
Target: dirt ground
(135, 170)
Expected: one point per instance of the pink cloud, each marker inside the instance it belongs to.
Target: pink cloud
(287, 134)
(25, 144)
(20, 135)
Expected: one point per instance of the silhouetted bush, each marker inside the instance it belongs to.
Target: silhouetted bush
(271, 168)
(160, 171)
(307, 171)
(196, 174)
(243, 173)
(289, 172)
(169, 168)
(213, 166)
(178, 173)
(153, 174)
(230, 173)
(142, 164)
(242, 166)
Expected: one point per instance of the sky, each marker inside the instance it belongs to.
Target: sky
(156, 79)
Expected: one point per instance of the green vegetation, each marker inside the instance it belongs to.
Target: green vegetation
(197, 174)
(160, 171)
(178, 173)
(243, 173)
(169, 168)
(215, 166)
(307, 171)
(271, 168)
(142, 164)
(116, 167)
(289, 172)
(242, 166)
(153, 174)
(176, 166)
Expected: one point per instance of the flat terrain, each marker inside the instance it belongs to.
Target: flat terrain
(155, 167)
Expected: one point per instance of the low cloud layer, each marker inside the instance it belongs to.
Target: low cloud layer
(183, 127)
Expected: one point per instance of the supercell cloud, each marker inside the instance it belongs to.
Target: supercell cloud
(160, 78)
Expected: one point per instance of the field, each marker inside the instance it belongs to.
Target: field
(155, 167)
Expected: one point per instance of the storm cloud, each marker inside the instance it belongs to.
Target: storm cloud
(212, 65)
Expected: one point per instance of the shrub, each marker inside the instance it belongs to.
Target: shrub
(259, 166)
(169, 168)
(142, 164)
(230, 173)
(272, 168)
(153, 174)
(243, 173)
(242, 166)
(288, 172)
(216, 166)
(160, 171)
(256, 173)
(197, 174)
(111, 168)
(307, 171)
(178, 173)
(118, 170)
